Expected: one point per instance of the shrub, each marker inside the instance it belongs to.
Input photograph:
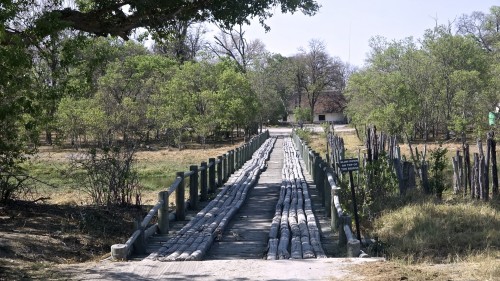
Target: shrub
(107, 175)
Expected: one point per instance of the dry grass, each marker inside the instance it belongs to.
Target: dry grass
(440, 232)
(486, 269)
(156, 171)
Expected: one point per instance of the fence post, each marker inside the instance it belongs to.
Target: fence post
(335, 220)
(237, 158)
(211, 175)
(248, 155)
(180, 210)
(303, 147)
(244, 154)
(353, 248)
(313, 166)
(203, 182)
(193, 188)
(344, 220)
(311, 161)
(225, 164)
(231, 162)
(140, 243)
(327, 189)
(321, 182)
(220, 175)
(163, 219)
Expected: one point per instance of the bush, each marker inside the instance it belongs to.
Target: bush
(378, 186)
(108, 175)
(304, 135)
(437, 175)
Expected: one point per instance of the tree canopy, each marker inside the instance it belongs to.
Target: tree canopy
(121, 17)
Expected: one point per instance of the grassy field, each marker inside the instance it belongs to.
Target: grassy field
(156, 171)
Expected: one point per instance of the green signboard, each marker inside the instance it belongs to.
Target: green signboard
(491, 118)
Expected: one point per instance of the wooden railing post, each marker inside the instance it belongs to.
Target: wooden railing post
(335, 220)
(140, 243)
(304, 154)
(344, 220)
(247, 152)
(226, 165)
(231, 163)
(211, 175)
(163, 220)
(203, 182)
(321, 179)
(180, 210)
(193, 188)
(311, 160)
(220, 174)
(327, 194)
(237, 158)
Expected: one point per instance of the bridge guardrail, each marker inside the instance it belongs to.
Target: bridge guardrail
(326, 182)
(204, 179)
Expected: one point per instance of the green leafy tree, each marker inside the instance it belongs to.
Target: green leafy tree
(105, 18)
(316, 71)
(125, 93)
(271, 81)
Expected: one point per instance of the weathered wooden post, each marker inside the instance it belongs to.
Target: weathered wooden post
(140, 242)
(119, 252)
(335, 221)
(311, 160)
(327, 193)
(343, 221)
(226, 165)
(494, 170)
(237, 158)
(247, 152)
(353, 248)
(320, 179)
(203, 182)
(482, 170)
(314, 163)
(180, 210)
(193, 188)
(220, 174)
(211, 175)
(230, 163)
(475, 185)
(467, 169)
(163, 219)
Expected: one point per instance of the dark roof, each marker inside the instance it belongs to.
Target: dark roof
(328, 102)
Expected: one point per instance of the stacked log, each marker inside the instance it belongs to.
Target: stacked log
(294, 233)
(194, 240)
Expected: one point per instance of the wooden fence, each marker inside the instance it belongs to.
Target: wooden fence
(325, 179)
(203, 179)
(475, 179)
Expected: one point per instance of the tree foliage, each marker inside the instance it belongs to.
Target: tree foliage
(121, 18)
(441, 85)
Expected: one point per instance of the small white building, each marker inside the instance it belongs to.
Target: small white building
(329, 108)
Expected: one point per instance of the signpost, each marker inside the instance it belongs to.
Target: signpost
(350, 165)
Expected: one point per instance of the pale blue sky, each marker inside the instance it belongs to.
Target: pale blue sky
(346, 26)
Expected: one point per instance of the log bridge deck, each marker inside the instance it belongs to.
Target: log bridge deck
(244, 232)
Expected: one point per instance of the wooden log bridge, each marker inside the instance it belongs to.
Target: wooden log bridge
(294, 224)
(271, 205)
(195, 238)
